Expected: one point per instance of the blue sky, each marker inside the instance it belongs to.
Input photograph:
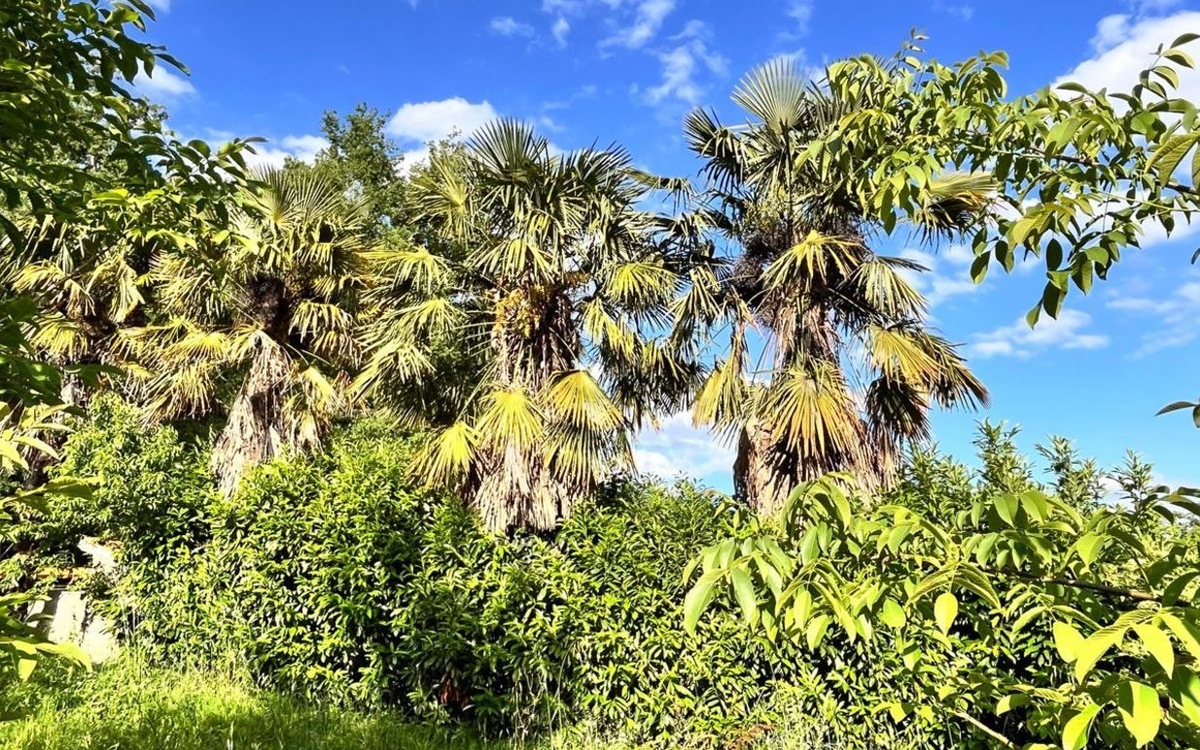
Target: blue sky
(628, 70)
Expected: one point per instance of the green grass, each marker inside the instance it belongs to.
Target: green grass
(129, 706)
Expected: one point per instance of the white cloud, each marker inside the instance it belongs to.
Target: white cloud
(162, 84)
(1124, 45)
(683, 63)
(949, 273)
(649, 19)
(560, 30)
(800, 11)
(509, 26)
(678, 448)
(961, 11)
(1019, 340)
(422, 122)
(1174, 317)
(302, 147)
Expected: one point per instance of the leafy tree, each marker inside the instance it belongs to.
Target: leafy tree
(830, 365)
(542, 266)
(271, 303)
(66, 68)
(1001, 578)
(28, 404)
(1079, 176)
(365, 162)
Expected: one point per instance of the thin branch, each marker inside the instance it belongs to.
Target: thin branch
(992, 733)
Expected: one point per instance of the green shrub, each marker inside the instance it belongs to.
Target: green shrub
(332, 577)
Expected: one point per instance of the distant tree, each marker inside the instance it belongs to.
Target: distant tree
(365, 162)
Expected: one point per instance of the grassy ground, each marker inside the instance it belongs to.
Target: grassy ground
(132, 707)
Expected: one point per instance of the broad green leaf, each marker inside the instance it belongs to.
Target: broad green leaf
(1010, 702)
(1140, 711)
(743, 590)
(1067, 640)
(1158, 644)
(1093, 648)
(697, 599)
(1185, 692)
(1006, 507)
(1075, 731)
(1089, 546)
(892, 614)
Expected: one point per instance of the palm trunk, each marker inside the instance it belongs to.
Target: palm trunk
(513, 487)
(762, 473)
(257, 428)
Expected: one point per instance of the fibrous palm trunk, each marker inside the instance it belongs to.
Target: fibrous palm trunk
(761, 474)
(257, 428)
(515, 486)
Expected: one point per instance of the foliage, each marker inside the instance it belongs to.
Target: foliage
(1079, 176)
(27, 410)
(270, 302)
(972, 595)
(547, 272)
(332, 578)
(364, 162)
(830, 364)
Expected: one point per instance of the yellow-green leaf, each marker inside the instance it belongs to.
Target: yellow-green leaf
(1140, 711)
(1158, 644)
(945, 609)
(1075, 731)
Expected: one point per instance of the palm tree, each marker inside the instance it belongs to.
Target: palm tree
(540, 271)
(829, 365)
(87, 282)
(266, 306)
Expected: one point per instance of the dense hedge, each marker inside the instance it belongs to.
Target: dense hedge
(334, 578)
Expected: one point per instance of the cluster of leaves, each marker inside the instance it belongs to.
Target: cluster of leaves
(27, 412)
(1034, 614)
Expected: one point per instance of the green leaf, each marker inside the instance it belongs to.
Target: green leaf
(743, 590)
(1158, 644)
(892, 614)
(1010, 702)
(1067, 640)
(1093, 648)
(1006, 507)
(1183, 39)
(697, 600)
(945, 609)
(1175, 406)
(979, 267)
(1185, 692)
(1167, 157)
(1089, 546)
(25, 668)
(1179, 57)
(1075, 731)
(815, 632)
(1140, 711)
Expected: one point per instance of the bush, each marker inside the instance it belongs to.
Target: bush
(332, 577)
